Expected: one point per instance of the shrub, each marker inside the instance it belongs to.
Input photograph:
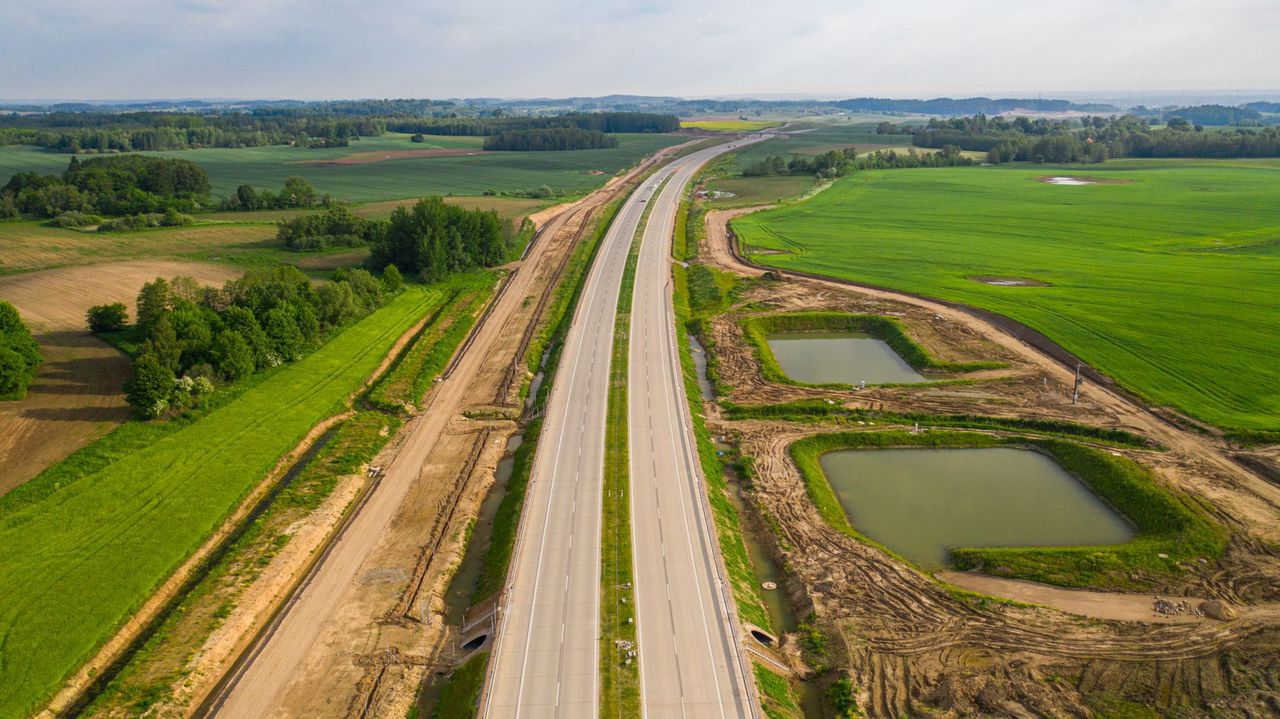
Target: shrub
(75, 218)
(149, 389)
(108, 318)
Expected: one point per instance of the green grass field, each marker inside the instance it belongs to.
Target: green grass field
(1167, 277)
(85, 543)
(728, 125)
(266, 167)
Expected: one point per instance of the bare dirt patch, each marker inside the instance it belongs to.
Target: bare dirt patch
(76, 396)
(373, 157)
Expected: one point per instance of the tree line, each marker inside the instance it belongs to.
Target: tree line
(549, 139)
(192, 336)
(608, 122)
(19, 354)
(117, 185)
(835, 163)
(88, 132)
(1090, 139)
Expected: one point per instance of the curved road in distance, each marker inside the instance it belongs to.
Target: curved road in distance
(546, 654)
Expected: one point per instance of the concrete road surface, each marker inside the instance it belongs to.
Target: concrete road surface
(546, 656)
(691, 657)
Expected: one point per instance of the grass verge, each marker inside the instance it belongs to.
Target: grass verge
(778, 701)
(460, 692)
(1171, 531)
(417, 368)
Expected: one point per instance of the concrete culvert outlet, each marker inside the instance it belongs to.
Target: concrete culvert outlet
(475, 642)
(763, 637)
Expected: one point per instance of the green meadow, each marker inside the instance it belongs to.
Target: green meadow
(571, 172)
(86, 543)
(1164, 275)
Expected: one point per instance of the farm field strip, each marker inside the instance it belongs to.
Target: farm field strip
(62, 547)
(1135, 280)
(568, 172)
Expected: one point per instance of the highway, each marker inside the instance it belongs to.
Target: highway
(546, 655)
(691, 660)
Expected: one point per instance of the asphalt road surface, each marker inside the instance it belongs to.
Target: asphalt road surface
(547, 651)
(691, 660)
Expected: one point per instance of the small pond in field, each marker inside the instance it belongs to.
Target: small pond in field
(922, 502)
(839, 358)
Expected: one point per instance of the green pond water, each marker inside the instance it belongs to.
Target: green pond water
(921, 502)
(840, 358)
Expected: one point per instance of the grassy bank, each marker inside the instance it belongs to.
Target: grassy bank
(1171, 530)
(1164, 276)
(817, 410)
(148, 495)
(757, 329)
(417, 368)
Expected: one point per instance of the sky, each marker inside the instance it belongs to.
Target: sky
(330, 49)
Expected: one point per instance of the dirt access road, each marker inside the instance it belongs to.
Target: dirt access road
(77, 394)
(357, 637)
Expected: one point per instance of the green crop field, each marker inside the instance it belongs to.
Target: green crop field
(88, 541)
(569, 172)
(1166, 275)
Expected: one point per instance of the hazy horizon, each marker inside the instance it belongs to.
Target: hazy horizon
(77, 49)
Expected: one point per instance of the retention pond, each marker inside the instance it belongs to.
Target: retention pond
(840, 358)
(922, 502)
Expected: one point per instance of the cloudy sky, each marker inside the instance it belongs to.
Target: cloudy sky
(313, 49)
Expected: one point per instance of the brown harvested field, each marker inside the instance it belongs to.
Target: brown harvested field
(369, 158)
(76, 396)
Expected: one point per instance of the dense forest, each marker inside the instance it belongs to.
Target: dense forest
(81, 132)
(116, 185)
(1091, 139)
(192, 335)
(550, 139)
(19, 354)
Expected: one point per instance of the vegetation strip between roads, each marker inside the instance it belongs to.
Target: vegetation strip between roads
(619, 670)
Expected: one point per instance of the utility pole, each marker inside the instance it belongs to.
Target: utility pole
(1075, 394)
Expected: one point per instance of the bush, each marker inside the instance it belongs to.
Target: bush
(149, 389)
(169, 218)
(75, 218)
(108, 318)
(392, 280)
